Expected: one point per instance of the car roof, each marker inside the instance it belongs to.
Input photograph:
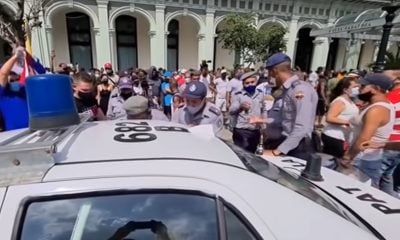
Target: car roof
(104, 141)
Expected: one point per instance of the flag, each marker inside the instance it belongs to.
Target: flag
(31, 67)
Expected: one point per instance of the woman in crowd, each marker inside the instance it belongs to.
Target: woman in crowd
(104, 90)
(337, 133)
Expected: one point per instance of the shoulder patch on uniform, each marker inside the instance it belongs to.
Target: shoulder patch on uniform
(215, 110)
(114, 96)
(296, 83)
(299, 95)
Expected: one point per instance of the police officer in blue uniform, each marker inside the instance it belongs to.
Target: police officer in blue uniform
(246, 104)
(293, 113)
(197, 109)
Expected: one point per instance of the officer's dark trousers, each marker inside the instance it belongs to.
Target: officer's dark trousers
(246, 139)
(302, 151)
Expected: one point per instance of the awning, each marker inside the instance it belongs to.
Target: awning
(366, 25)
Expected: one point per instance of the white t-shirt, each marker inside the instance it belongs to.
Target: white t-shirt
(207, 81)
(338, 131)
(382, 134)
(313, 78)
(221, 86)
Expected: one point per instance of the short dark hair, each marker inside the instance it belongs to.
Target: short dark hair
(82, 77)
(340, 86)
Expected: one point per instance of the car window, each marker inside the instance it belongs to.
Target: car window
(142, 216)
(270, 171)
(235, 228)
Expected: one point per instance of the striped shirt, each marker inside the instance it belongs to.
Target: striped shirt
(394, 97)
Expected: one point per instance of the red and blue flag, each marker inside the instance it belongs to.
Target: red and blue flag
(31, 67)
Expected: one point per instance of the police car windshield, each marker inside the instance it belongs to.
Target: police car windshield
(268, 170)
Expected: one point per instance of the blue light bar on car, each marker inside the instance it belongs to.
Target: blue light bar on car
(51, 103)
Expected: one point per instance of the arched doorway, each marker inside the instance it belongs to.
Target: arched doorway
(5, 51)
(304, 50)
(173, 45)
(182, 41)
(79, 39)
(223, 57)
(332, 54)
(126, 38)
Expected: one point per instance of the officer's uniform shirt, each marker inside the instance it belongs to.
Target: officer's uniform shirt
(115, 109)
(234, 86)
(209, 115)
(297, 112)
(244, 116)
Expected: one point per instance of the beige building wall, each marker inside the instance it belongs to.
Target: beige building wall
(224, 57)
(188, 43)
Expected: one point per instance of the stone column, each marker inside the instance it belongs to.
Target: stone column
(154, 49)
(49, 40)
(113, 47)
(201, 49)
(376, 50)
(353, 54)
(38, 43)
(320, 53)
(291, 37)
(159, 42)
(209, 37)
(103, 45)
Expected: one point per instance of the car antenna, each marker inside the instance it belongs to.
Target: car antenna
(312, 171)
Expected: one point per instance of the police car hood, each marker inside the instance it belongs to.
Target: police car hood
(129, 140)
(378, 209)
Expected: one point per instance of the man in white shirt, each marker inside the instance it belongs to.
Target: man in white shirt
(313, 79)
(221, 85)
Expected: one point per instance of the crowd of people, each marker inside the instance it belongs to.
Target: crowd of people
(353, 116)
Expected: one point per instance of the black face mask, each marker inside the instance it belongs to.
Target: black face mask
(365, 97)
(126, 95)
(86, 96)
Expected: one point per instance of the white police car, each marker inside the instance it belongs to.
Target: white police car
(159, 180)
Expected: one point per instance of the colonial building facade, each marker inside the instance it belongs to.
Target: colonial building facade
(181, 33)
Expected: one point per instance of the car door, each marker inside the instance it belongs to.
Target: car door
(127, 208)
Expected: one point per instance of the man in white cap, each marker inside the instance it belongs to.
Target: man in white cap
(124, 91)
(221, 85)
(137, 107)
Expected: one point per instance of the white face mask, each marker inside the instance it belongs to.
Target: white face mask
(272, 81)
(194, 110)
(354, 91)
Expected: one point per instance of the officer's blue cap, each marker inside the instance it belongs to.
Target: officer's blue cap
(276, 59)
(195, 89)
(377, 79)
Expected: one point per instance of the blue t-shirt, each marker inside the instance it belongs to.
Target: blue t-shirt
(167, 96)
(14, 108)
